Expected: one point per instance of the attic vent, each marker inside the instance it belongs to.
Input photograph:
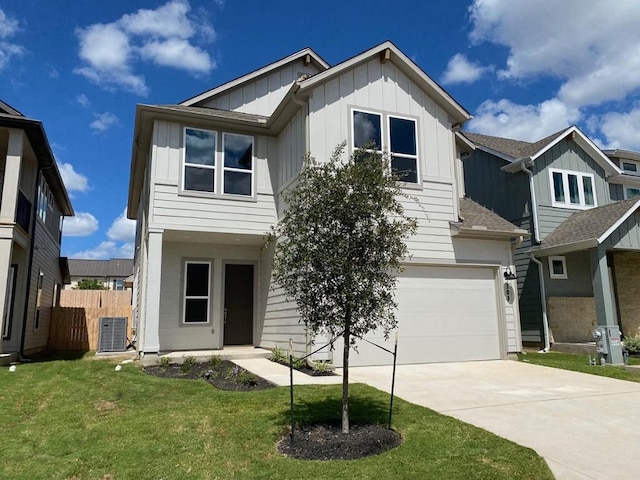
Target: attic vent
(113, 334)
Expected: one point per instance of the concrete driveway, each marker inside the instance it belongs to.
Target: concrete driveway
(586, 427)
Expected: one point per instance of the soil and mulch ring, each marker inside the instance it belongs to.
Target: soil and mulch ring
(323, 441)
(327, 442)
(224, 375)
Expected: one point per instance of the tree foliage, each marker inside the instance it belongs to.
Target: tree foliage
(90, 284)
(339, 245)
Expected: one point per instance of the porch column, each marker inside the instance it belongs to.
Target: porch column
(8, 205)
(153, 285)
(11, 181)
(605, 303)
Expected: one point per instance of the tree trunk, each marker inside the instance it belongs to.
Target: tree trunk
(345, 371)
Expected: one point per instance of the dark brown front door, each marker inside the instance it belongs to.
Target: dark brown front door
(238, 304)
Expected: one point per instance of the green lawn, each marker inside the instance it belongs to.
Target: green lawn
(79, 419)
(580, 363)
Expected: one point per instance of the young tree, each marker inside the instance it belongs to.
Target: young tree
(338, 249)
(89, 284)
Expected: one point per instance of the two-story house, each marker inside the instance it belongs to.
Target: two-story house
(578, 269)
(112, 274)
(207, 176)
(34, 203)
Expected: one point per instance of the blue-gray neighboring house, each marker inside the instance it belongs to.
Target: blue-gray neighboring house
(579, 269)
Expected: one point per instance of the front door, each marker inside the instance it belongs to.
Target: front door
(238, 304)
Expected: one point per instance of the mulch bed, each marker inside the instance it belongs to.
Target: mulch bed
(225, 375)
(327, 442)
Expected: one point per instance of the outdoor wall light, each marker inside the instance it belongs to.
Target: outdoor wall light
(509, 275)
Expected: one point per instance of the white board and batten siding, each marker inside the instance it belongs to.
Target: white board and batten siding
(262, 95)
(174, 210)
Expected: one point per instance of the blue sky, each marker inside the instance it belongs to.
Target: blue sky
(523, 69)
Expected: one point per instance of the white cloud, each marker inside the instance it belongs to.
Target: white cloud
(83, 100)
(105, 250)
(73, 181)
(523, 122)
(461, 70)
(122, 229)
(164, 36)
(82, 224)
(595, 50)
(8, 28)
(103, 122)
(621, 129)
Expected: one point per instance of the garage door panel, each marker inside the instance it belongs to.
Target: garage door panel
(444, 314)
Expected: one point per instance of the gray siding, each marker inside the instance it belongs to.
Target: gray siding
(626, 235)
(565, 155)
(578, 283)
(616, 192)
(291, 151)
(506, 194)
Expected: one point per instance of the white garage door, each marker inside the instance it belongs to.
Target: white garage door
(445, 314)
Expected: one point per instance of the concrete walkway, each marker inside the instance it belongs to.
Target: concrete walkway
(585, 426)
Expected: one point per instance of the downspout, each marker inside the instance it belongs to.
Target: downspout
(543, 295)
(534, 205)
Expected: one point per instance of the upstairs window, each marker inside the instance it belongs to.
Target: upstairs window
(45, 198)
(631, 192)
(630, 167)
(238, 164)
(572, 189)
(401, 141)
(199, 160)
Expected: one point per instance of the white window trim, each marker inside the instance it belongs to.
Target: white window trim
(624, 191)
(565, 183)
(405, 155)
(213, 167)
(628, 172)
(558, 276)
(385, 137)
(240, 170)
(184, 294)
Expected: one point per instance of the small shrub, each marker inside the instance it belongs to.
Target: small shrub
(246, 378)
(215, 361)
(632, 344)
(233, 372)
(165, 362)
(321, 367)
(298, 363)
(187, 364)
(279, 355)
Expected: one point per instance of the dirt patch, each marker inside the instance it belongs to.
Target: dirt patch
(327, 442)
(224, 375)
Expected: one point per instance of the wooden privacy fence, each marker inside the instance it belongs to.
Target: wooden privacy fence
(75, 324)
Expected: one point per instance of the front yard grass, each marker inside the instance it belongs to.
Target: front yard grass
(580, 363)
(80, 419)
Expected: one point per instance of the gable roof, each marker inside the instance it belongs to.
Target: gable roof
(589, 228)
(408, 67)
(9, 110)
(313, 57)
(476, 220)
(517, 152)
(114, 267)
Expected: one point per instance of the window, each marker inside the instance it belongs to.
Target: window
(36, 321)
(401, 138)
(196, 292)
(557, 267)
(199, 160)
(45, 198)
(118, 284)
(630, 167)
(238, 164)
(630, 192)
(572, 189)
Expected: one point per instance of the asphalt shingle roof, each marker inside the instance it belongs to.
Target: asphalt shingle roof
(474, 215)
(588, 224)
(512, 148)
(115, 267)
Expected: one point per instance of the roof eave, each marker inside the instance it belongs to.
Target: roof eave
(479, 232)
(565, 248)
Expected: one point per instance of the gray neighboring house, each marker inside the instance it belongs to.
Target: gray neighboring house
(579, 268)
(34, 203)
(113, 273)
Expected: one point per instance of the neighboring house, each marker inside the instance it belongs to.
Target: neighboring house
(207, 177)
(577, 201)
(112, 273)
(34, 202)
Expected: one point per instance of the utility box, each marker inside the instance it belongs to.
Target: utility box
(112, 336)
(608, 340)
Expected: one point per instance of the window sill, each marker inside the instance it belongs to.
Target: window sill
(217, 196)
(570, 206)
